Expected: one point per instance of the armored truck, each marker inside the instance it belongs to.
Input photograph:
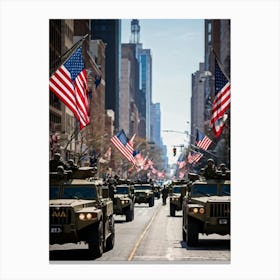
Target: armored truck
(144, 194)
(206, 209)
(177, 190)
(122, 195)
(77, 212)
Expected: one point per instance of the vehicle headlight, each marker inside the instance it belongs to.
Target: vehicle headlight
(89, 216)
(124, 201)
(195, 210)
(201, 210)
(82, 216)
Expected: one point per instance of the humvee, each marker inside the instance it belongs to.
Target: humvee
(79, 213)
(144, 194)
(156, 190)
(206, 209)
(177, 190)
(122, 195)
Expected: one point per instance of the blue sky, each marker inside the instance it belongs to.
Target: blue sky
(177, 47)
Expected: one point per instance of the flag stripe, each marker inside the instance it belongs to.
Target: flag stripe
(69, 84)
(115, 140)
(221, 101)
(221, 105)
(202, 141)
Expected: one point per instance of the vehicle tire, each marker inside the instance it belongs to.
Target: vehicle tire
(152, 201)
(96, 241)
(192, 232)
(172, 210)
(110, 242)
(130, 214)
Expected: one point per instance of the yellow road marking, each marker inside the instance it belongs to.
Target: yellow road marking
(141, 237)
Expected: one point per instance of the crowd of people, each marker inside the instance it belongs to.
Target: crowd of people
(57, 165)
(210, 171)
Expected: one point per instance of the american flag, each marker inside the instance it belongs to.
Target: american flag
(194, 157)
(181, 161)
(221, 102)
(69, 84)
(202, 141)
(121, 142)
(139, 160)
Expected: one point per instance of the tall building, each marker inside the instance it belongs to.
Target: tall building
(129, 116)
(61, 119)
(198, 101)
(108, 30)
(146, 85)
(217, 43)
(156, 123)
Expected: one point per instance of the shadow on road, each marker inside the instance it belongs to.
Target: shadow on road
(209, 244)
(120, 221)
(176, 216)
(70, 255)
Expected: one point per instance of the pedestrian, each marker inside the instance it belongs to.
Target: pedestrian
(164, 195)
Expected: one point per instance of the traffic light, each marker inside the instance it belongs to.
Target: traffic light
(174, 151)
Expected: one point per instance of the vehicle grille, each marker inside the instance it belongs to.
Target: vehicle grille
(220, 209)
(61, 215)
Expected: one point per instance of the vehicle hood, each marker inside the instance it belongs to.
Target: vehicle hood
(211, 199)
(75, 203)
(143, 191)
(121, 196)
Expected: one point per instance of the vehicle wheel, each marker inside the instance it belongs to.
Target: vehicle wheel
(152, 202)
(192, 232)
(95, 241)
(110, 242)
(130, 214)
(172, 210)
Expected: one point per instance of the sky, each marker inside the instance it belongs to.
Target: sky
(177, 48)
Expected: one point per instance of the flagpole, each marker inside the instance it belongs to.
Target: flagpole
(69, 53)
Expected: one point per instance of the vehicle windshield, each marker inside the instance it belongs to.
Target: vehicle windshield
(140, 188)
(225, 189)
(176, 189)
(205, 190)
(122, 190)
(76, 192)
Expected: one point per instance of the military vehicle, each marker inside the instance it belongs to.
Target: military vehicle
(122, 195)
(144, 193)
(177, 190)
(206, 209)
(156, 190)
(79, 213)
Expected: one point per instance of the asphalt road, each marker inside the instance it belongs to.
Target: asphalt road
(152, 237)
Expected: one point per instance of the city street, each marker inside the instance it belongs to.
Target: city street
(153, 236)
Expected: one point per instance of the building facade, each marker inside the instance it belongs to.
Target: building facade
(197, 101)
(109, 31)
(217, 44)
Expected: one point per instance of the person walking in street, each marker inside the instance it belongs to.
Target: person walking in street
(164, 195)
